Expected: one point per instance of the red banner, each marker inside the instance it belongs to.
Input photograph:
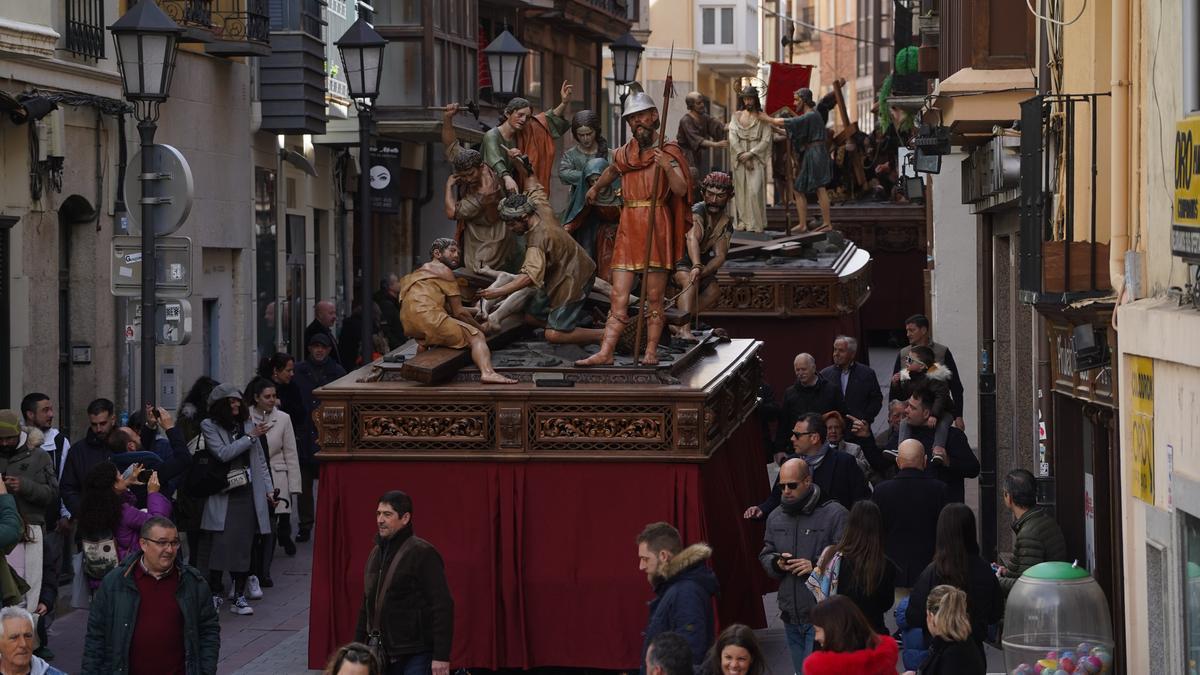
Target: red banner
(785, 79)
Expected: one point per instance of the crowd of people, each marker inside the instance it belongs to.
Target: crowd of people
(159, 522)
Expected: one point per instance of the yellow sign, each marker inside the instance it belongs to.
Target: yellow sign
(1185, 229)
(1141, 426)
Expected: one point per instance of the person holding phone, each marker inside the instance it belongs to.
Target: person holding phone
(109, 506)
(232, 517)
(284, 460)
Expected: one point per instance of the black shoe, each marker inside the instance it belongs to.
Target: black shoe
(303, 535)
(266, 582)
(289, 546)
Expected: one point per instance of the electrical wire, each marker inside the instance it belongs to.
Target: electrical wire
(827, 31)
(1056, 21)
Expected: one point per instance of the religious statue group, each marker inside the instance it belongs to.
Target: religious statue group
(633, 223)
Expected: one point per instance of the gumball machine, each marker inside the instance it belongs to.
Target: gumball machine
(1056, 621)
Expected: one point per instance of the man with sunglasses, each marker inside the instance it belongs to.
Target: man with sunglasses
(152, 613)
(795, 535)
(836, 472)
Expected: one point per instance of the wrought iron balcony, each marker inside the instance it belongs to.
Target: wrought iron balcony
(85, 28)
(240, 28)
(194, 16)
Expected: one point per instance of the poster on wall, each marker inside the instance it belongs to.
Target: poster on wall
(1089, 519)
(1141, 428)
(1185, 222)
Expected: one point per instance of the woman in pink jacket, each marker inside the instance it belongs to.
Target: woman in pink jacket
(109, 506)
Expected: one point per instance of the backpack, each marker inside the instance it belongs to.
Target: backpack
(207, 474)
(99, 554)
(823, 581)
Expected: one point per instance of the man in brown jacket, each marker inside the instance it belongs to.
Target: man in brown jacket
(407, 612)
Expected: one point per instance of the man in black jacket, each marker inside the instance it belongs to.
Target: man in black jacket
(314, 372)
(810, 394)
(858, 384)
(683, 585)
(834, 471)
(95, 448)
(910, 503)
(916, 328)
(407, 607)
(960, 461)
(326, 317)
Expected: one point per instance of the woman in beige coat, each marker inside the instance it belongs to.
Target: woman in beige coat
(283, 459)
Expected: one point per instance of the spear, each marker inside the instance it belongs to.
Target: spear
(668, 92)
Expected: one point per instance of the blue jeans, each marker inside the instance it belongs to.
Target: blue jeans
(800, 643)
(413, 664)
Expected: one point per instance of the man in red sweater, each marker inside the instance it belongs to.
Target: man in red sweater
(167, 605)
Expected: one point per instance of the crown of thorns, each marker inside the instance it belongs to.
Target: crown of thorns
(719, 180)
(515, 207)
(466, 160)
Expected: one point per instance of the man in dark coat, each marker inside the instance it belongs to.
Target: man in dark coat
(960, 461)
(326, 317)
(835, 472)
(684, 587)
(95, 448)
(1037, 537)
(810, 394)
(317, 370)
(916, 328)
(387, 298)
(910, 503)
(861, 396)
(412, 617)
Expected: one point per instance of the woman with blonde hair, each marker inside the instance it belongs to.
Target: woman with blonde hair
(952, 652)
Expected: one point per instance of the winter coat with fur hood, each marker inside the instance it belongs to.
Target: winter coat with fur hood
(877, 660)
(937, 380)
(683, 601)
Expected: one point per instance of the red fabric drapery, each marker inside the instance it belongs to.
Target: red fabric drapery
(784, 80)
(540, 556)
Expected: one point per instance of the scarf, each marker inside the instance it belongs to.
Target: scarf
(805, 504)
(814, 461)
(594, 167)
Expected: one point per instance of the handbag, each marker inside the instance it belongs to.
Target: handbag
(374, 637)
(823, 581)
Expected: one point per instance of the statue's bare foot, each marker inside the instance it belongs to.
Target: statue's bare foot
(825, 227)
(650, 358)
(799, 229)
(597, 359)
(496, 378)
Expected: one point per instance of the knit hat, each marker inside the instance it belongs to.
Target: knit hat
(10, 423)
(320, 339)
(224, 391)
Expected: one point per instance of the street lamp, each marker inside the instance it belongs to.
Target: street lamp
(506, 56)
(145, 38)
(362, 56)
(626, 55)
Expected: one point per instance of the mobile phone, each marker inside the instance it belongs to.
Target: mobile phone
(144, 475)
(157, 413)
(128, 473)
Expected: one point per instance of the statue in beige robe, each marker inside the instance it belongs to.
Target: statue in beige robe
(749, 152)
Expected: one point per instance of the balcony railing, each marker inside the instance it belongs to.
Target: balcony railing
(1053, 262)
(241, 27)
(85, 28)
(196, 13)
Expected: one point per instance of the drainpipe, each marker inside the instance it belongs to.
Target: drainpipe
(1118, 192)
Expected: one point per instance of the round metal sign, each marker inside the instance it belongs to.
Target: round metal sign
(175, 189)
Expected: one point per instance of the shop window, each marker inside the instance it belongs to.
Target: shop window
(1191, 594)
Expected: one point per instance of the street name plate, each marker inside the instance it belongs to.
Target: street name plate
(172, 258)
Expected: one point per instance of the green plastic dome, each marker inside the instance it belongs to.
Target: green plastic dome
(906, 61)
(1056, 571)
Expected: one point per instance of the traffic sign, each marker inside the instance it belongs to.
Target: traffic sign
(175, 190)
(172, 260)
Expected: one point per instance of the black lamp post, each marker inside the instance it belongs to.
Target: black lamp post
(146, 38)
(362, 56)
(506, 58)
(626, 55)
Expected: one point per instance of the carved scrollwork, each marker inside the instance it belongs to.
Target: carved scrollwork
(510, 427)
(331, 425)
(810, 297)
(687, 422)
(746, 296)
(593, 427)
(441, 426)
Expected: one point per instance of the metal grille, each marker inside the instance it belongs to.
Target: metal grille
(85, 28)
(196, 13)
(242, 20)
(601, 428)
(450, 426)
(311, 21)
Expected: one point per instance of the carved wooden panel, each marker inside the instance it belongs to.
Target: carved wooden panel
(809, 296)
(746, 298)
(600, 427)
(331, 427)
(510, 427)
(424, 427)
(687, 424)
(853, 293)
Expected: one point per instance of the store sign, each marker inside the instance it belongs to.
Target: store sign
(1185, 226)
(1141, 428)
(385, 169)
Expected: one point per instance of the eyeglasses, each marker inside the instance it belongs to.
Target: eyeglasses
(798, 434)
(909, 360)
(790, 486)
(164, 543)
